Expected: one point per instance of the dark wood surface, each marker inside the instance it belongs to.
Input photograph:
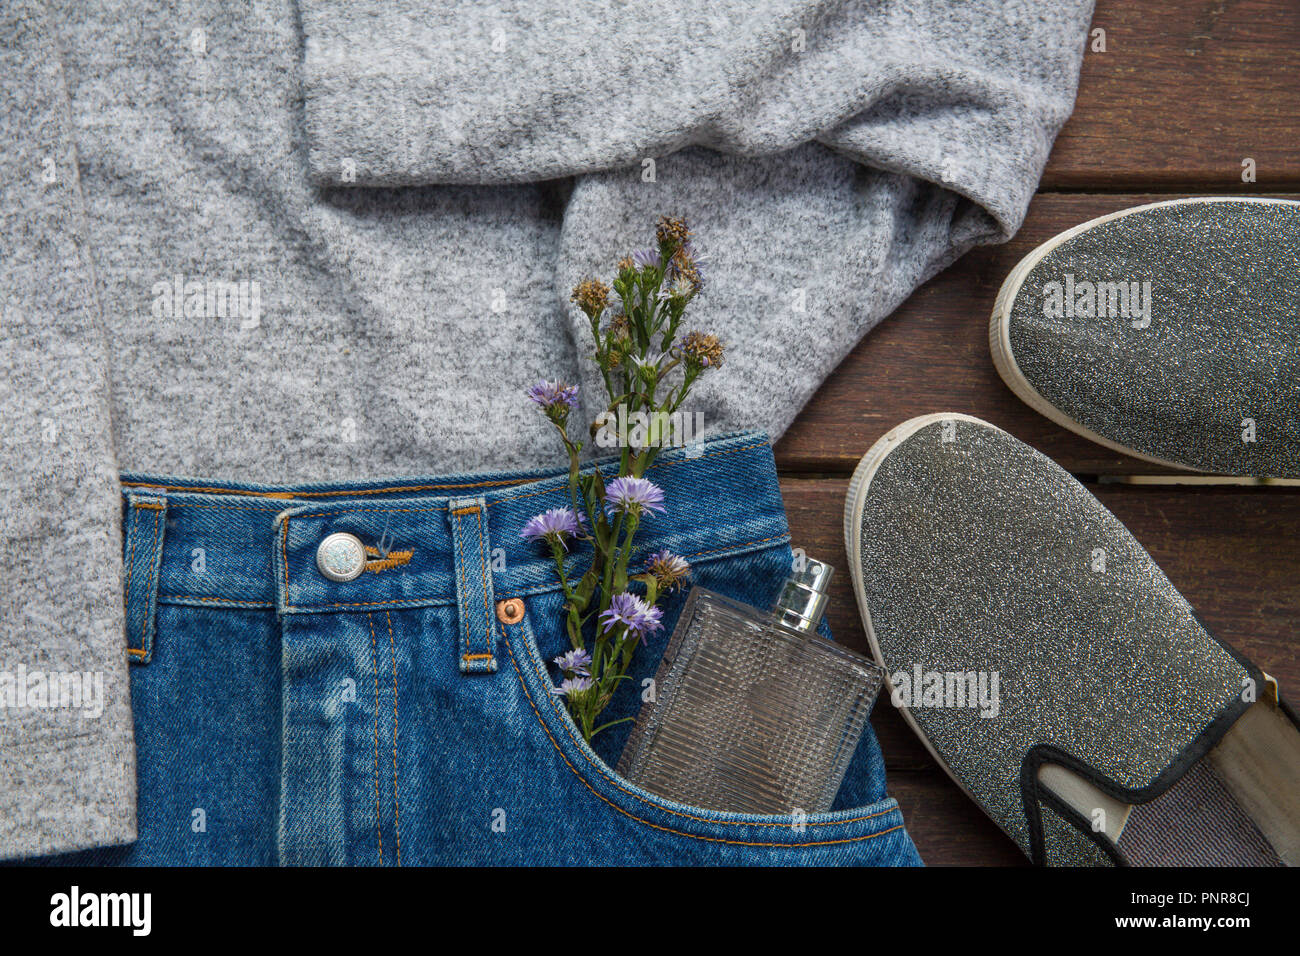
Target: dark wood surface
(1183, 93)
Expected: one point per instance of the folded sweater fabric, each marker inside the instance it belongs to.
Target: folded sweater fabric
(280, 241)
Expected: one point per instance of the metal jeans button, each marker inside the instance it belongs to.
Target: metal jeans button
(341, 557)
(510, 611)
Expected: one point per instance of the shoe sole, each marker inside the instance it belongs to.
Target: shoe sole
(1004, 361)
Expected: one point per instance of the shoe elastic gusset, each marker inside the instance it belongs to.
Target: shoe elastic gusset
(1170, 332)
(1050, 666)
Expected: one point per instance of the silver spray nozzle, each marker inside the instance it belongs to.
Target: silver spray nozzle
(802, 597)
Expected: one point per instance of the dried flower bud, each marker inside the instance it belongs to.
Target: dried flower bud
(620, 327)
(684, 267)
(702, 350)
(671, 232)
(669, 570)
(591, 295)
(618, 340)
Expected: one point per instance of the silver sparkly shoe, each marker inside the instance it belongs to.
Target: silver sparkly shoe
(1170, 332)
(1051, 668)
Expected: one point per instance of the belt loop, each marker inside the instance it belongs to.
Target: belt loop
(476, 646)
(144, 526)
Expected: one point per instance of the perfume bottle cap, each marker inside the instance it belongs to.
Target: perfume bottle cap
(802, 598)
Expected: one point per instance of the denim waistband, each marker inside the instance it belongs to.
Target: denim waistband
(249, 545)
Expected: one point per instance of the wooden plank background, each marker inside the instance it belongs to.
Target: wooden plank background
(1182, 94)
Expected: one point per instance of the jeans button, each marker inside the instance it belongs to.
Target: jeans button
(341, 557)
(510, 611)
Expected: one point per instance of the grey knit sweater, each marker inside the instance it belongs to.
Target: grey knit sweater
(401, 192)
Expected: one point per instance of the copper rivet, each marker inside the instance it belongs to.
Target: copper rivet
(510, 611)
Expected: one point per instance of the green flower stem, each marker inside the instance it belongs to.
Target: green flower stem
(608, 581)
(621, 720)
(625, 554)
(668, 368)
(574, 620)
(631, 384)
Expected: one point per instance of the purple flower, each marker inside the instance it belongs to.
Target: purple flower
(646, 258)
(554, 526)
(571, 686)
(634, 495)
(554, 395)
(633, 613)
(575, 662)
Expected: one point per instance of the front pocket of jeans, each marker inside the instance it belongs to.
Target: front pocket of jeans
(639, 808)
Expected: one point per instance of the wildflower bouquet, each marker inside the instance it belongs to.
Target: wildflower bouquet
(644, 370)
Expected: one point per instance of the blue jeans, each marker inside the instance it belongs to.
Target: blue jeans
(401, 718)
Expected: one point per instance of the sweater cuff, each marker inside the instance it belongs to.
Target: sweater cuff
(68, 794)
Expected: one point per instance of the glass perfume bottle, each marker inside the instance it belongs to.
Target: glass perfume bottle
(753, 712)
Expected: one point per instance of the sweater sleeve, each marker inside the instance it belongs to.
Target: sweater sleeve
(67, 770)
(966, 95)
(830, 155)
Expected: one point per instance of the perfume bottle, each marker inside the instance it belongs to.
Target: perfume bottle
(753, 712)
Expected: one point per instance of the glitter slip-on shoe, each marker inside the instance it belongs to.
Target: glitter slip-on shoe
(1170, 332)
(1051, 668)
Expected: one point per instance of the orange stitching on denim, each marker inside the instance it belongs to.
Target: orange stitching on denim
(405, 600)
(198, 597)
(318, 607)
(483, 570)
(153, 569)
(284, 551)
(344, 492)
(693, 836)
(664, 464)
(374, 669)
(475, 657)
(614, 782)
(529, 494)
(472, 509)
(712, 454)
(775, 537)
(341, 492)
(133, 533)
(397, 806)
(135, 652)
(203, 490)
(353, 511)
(355, 604)
(395, 559)
(459, 549)
(197, 504)
(152, 506)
